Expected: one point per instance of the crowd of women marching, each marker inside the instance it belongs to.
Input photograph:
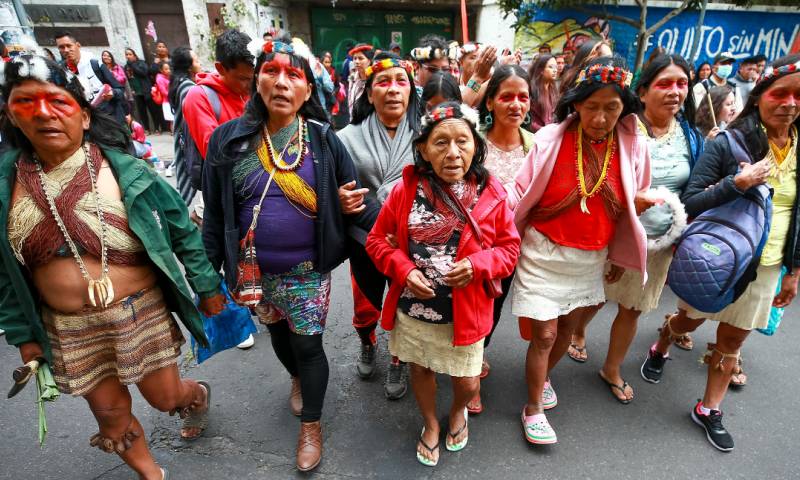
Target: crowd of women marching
(462, 181)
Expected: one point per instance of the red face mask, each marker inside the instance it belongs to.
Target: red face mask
(45, 104)
(281, 64)
(392, 83)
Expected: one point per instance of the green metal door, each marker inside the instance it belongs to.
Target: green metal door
(338, 30)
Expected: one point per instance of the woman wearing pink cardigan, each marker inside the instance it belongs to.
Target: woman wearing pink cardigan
(577, 196)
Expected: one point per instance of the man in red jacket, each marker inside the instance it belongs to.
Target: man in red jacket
(231, 83)
(230, 86)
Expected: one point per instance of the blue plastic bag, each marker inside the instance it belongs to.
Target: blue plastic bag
(775, 314)
(226, 330)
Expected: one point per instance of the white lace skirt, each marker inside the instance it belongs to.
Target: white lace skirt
(629, 291)
(553, 280)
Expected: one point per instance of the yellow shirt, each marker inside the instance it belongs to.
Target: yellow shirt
(783, 180)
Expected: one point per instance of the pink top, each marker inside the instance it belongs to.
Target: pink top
(162, 82)
(628, 248)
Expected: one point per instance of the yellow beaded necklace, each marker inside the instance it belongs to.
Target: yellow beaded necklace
(582, 191)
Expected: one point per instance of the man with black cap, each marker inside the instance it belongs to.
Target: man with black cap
(394, 47)
(720, 73)
(746, 77)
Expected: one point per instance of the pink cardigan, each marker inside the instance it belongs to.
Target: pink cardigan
(628, 248)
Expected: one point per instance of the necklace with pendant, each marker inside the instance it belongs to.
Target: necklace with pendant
(582, 191)
(101, 291)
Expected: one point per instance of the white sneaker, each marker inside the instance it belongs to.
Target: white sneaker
(168, 172)
(249, 342)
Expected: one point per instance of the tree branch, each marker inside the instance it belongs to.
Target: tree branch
(672, 14)
(609, 16)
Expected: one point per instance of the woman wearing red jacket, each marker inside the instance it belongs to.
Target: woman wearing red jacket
(438, 307)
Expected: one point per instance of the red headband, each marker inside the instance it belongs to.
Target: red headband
(359, 49)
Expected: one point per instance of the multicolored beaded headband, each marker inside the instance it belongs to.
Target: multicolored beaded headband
(388, 63)
(439, 114)
(278, 47)
(359, 49)
(774, 72)
(605, 74)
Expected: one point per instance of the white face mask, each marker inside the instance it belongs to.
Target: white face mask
(724, 71)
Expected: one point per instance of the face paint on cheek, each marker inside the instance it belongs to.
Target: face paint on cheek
(44, 104)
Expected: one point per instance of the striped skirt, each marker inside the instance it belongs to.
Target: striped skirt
(128, 340)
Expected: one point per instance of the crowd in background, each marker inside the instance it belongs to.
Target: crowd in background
(452, 177)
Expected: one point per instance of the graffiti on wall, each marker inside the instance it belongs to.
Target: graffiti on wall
(740, 32)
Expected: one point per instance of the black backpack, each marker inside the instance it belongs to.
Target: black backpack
(191, 154)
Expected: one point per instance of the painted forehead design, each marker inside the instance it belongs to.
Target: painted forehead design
(33, 67)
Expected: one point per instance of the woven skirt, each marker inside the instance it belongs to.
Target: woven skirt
(629, 291)
(553, 280)
(128, 340)
(752, 309)
(430, 345)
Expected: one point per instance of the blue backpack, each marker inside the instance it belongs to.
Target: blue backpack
(719, 252)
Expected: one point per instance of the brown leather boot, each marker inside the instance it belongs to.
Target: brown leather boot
(295, 397)
(309, 446)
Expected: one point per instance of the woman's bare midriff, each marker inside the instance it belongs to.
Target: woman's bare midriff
(60, 282)
(64, 289)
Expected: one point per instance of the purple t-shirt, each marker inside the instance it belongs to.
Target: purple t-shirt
(284, 236)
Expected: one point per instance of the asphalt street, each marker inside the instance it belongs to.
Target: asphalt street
(252, 435)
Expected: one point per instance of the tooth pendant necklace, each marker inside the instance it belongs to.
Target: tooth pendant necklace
(582, 190)
(101, 292)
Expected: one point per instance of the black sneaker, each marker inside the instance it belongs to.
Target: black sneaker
(396, 382)
(365, 367)
(653, 366)
(712, 424)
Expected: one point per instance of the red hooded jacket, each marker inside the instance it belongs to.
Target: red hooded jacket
(199, 115)
(472, 308)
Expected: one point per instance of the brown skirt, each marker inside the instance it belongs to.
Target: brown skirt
(128, 340)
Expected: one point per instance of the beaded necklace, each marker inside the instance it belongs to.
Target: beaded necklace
(582, 191)
(101, 292)
(278, 160)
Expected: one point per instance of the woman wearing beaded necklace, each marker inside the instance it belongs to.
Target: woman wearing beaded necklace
(90, 271)
(271, 189)
(580, 191)
(768, 127)
(674, 145)
(385, 121)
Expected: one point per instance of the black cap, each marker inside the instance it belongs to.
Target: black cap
(724, 57)
(394, 45)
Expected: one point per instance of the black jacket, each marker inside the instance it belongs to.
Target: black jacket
(235, 140)
(717, 166)
(117, 107)
(141, 72)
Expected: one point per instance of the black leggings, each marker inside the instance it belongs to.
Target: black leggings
(304, 357)
(498, 307)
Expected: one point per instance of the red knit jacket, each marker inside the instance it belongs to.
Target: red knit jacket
(472, 308)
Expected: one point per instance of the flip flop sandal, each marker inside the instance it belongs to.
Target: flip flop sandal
(198, 420)
(621, 388)
(580, 350)
(471, 405)
(455, 447)
(421, 458)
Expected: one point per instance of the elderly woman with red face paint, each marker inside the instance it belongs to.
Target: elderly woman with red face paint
(274, 221)
(379, 140)
(768, 126)
(580, 191)
(90, 275)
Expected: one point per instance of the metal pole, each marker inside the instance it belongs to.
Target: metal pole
(464, 28)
